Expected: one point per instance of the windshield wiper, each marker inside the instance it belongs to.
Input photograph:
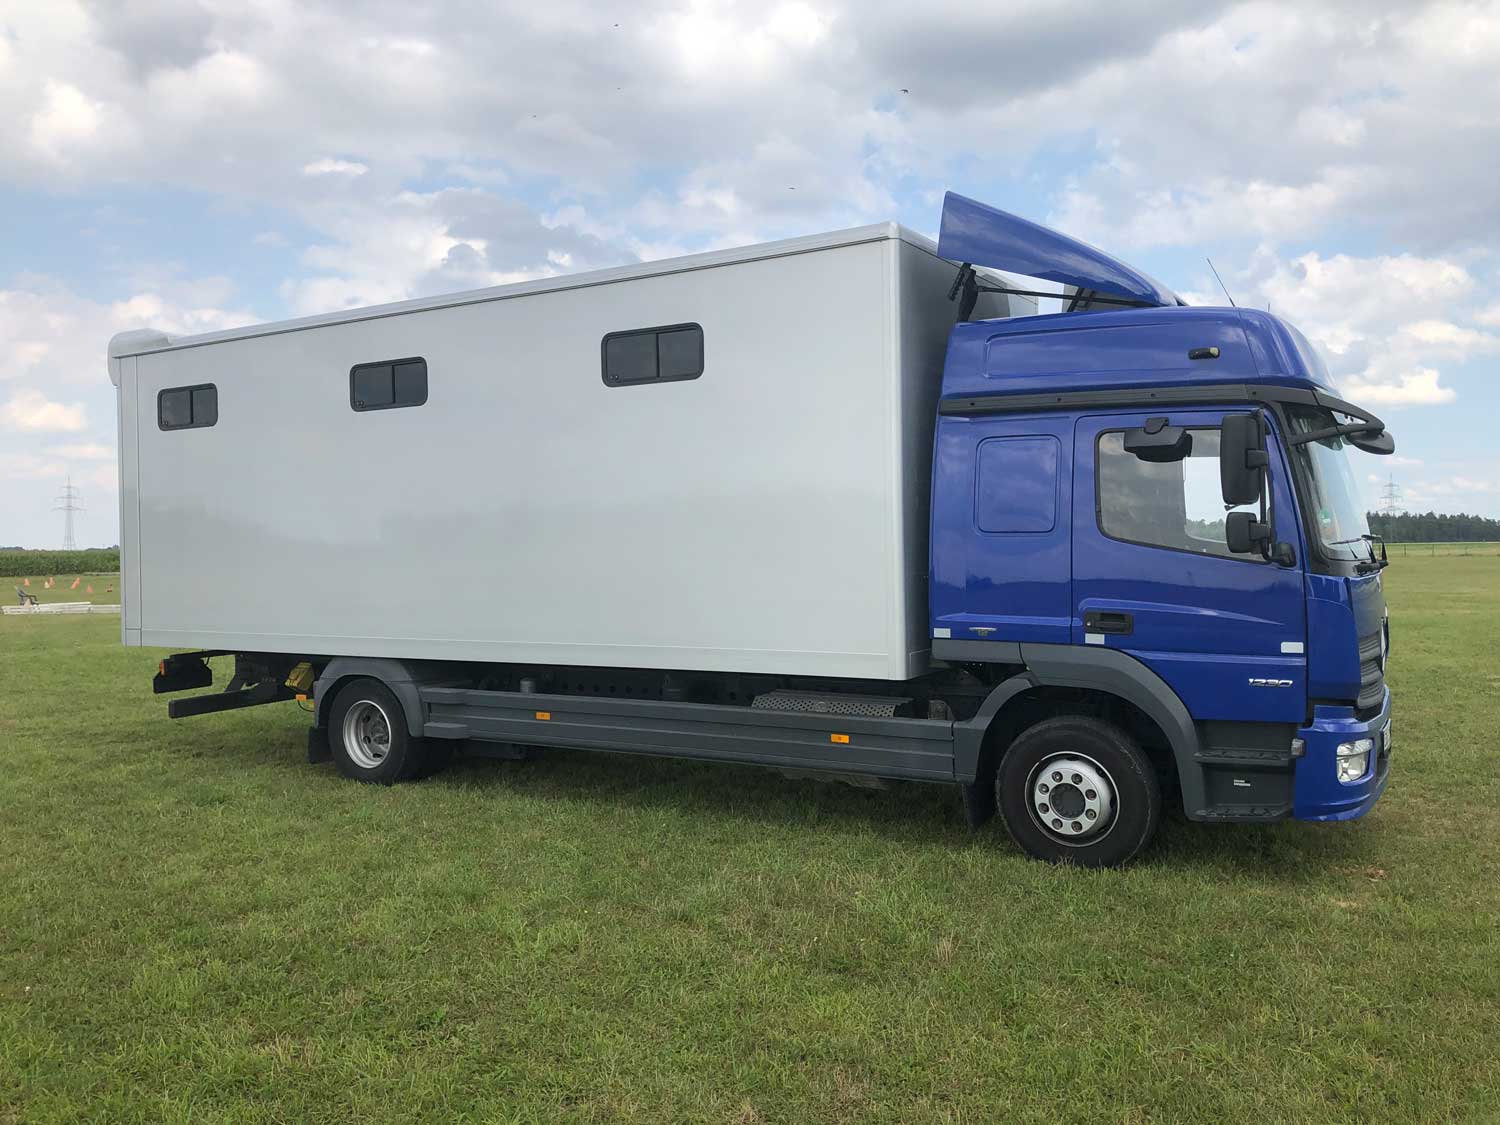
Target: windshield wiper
(1377, 562)
(1372, 539)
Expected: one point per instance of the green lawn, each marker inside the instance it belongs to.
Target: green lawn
(197, 925)
(1438, 550)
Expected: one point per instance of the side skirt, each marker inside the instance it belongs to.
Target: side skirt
(885, 747)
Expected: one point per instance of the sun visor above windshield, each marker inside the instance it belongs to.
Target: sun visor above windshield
(986, 236)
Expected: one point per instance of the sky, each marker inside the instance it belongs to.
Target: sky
(191, 165)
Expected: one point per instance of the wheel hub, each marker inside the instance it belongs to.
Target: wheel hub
(367, 734)
(1072, 797)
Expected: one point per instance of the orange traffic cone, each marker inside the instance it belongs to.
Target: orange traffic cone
(88, 589)
(75, 583)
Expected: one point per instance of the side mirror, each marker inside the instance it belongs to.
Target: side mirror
(1242, 459)
(1378, 443)
(1159, 442)
(1245, 534)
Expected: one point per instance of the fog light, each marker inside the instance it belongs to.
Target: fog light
(1354, 758)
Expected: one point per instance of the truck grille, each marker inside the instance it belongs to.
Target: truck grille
(1371, 674)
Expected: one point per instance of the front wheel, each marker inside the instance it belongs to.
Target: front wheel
(369, 740)
(1078, 790)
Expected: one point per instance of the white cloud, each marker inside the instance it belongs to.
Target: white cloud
(1416, 388)
(1470, 486)
(29, 409)
(328, 166)
(29, 466)
(1197, 119)
(52, 336)
(418, 243)
(83, 451)
(1276, 120)
(55, 383)
(66, 117)
(1383, 323)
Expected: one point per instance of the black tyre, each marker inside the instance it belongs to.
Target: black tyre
(1078, 790)
(367, 734)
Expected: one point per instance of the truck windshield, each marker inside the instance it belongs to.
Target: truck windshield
(1338, 515)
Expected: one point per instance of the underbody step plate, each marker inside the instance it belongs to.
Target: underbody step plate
(830, 703)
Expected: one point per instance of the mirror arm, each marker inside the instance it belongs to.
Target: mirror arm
(1347, 428)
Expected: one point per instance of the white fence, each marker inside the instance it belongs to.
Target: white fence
(58, 607)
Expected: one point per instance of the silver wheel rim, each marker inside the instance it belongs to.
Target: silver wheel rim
(1072, 798)
(367, 734)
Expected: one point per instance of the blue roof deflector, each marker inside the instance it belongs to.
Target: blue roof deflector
(986, 236)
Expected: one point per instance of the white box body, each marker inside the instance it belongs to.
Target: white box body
(769, 516)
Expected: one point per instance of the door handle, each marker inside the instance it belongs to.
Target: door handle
(1106, 621)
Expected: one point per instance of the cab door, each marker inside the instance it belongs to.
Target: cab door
(1154, 577)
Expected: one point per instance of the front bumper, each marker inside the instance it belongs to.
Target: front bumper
(1318, 794)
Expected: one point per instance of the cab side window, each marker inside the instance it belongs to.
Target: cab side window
(1172, 504)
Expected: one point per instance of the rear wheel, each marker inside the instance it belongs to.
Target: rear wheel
(368, 737)
(1078, 790)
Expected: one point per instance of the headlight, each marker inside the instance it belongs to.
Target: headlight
(1354, 758)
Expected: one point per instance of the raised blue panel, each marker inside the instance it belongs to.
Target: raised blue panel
(1150, 351)
(1016, 489)
(986, 236)
(1124, 349)
(1002, 586)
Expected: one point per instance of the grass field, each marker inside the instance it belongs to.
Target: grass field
(1442, 550)
(197, 925)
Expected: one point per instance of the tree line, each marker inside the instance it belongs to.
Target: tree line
(1433, 527)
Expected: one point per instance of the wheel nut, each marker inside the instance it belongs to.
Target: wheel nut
(1056, 776)
(1043, 787)
(1090, 794)
(1076, 779)
(1091, 814)
(1044, 808)
(1077, 827)
(1056, 823)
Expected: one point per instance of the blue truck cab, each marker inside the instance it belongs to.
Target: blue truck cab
(1155, 501)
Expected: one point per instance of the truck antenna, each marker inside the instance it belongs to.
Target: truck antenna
(1220, 280)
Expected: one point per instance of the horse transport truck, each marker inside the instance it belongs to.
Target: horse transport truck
(842, 504)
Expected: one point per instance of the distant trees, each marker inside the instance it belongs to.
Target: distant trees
(1431, 527)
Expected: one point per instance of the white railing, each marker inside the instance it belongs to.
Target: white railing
(58, 607)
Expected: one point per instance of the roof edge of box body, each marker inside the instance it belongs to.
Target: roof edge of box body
(144, 341)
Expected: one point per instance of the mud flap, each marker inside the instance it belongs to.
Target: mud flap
(318, 749)
(979, 802)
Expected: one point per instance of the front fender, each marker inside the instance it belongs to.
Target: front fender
(1097, 669)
